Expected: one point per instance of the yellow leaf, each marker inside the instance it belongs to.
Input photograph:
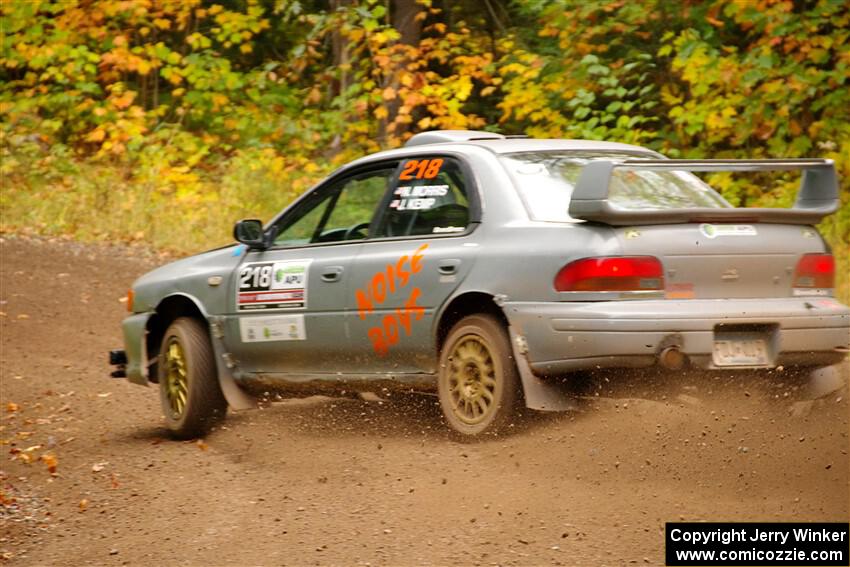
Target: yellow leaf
(51, 462)
(381, 113)
(162, 23)
(96, 135)
(389, 93)
(246, 48)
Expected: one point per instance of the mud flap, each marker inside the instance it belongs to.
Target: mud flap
(539, 394)
(236, 397)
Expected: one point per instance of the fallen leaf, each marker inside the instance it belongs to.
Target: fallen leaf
(201, 445)
(33, 448)
(104, 395)
(23, 316)
(12, 407)
(83, 505)
(97, 467)
(51, 462)
(115, 483)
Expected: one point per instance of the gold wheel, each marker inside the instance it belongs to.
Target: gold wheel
(478, 384)
(472, 380)
(176, 377)
(189, 393)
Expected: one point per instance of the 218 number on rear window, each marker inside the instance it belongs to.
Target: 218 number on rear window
(421, 169)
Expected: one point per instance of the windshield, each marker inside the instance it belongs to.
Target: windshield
(546, 181)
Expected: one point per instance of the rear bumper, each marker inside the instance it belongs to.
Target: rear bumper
(564, 336)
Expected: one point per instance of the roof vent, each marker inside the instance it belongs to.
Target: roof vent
(446, 136)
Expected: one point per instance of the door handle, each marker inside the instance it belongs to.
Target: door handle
(448, 267)
(332, 273)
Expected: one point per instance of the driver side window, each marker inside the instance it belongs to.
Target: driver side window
(340, 213)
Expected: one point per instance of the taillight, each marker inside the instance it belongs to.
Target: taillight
(612, 273)
(130, 296)
(815, 271)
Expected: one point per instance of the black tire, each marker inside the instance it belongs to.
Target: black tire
(478, 382)
(189, 392)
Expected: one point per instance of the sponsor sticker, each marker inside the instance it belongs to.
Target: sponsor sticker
(275, 328)
(715, 230)
(680, 291)
(273, 285)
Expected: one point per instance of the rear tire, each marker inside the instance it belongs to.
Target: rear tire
(478, 383)
(191, 398)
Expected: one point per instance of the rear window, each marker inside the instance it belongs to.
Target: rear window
(546, 180)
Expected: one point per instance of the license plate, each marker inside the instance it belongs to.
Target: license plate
(740, 352)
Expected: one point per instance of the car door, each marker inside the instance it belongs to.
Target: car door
(288, 302)
(420, 249)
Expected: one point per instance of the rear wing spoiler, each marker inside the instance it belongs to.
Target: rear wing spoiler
(817, 197)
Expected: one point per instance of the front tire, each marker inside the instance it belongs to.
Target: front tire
(478, 383)
(191, 398)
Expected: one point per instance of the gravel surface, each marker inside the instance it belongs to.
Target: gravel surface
(89, 477)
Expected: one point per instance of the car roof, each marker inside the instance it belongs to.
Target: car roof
(499, 144)
(512, 145)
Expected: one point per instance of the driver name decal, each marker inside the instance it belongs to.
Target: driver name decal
(383, 284)
(272, 285)
(417, 198)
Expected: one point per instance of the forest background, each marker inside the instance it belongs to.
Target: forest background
(163, 121)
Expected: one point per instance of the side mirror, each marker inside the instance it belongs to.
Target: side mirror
(250, 232)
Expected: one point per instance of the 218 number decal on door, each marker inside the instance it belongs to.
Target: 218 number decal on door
(258, 276)
(273, 285)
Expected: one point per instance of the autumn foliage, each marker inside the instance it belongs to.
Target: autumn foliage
(164, 120)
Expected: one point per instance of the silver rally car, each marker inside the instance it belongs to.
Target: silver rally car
(487, 268)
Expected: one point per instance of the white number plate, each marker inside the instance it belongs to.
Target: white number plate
(749, 352)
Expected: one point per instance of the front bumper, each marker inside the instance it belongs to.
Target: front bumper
(559, 337)
(135, 345)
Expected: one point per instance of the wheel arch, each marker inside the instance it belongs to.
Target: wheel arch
(167, 310)
(462, 305)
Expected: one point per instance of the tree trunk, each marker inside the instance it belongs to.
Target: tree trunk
(340, 53)
(403, 17)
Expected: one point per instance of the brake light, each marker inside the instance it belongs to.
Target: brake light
(612, 273)
(815, 271)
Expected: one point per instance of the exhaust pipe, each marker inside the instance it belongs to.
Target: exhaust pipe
(672, 358)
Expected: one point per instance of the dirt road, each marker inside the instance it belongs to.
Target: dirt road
(350, 482)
